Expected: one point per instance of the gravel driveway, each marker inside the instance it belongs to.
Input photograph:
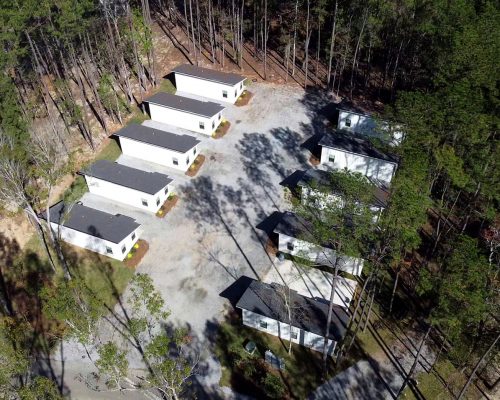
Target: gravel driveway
(211, 237)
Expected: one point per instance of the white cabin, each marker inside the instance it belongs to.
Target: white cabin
(194, 115)
(145, 190)
(264, 308)
(111, 235)
(317, 186)
(341, 150)
(217, 85)
(365, 124)
(293, 232)
(157, 146)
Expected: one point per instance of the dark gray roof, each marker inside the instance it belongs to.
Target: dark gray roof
(113, 228)
(225, 78)
(204, 108)
(294, 226)
(307, 314)
(355, 144)
(156, 137)
(146, 182)
(323, 178)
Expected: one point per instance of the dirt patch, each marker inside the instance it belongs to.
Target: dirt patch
(314, 161)
(221, 130)
(136, 254)
(167, 206)
(17, 228)
(244, 98)
(196, 165)
(271, 248)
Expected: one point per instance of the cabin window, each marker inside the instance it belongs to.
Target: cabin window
(241, 85)
(236, 93)
(133, 236)
(109, 250)
(290, 246)
(194, 151)
(224, 94)
(124, 249)
(175, 161)
(348, 122)
(213, 124)
(331, 158)
(263, 324)
(294, 335)
(187, 160)
(220, 116)
(166, 190)
(157, 201)
(202, 125)
(144, 202)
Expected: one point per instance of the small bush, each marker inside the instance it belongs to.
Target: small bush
(273, 386)
(75, 191)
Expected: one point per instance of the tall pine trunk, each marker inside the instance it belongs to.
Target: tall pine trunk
(332, 45)
(306, 47)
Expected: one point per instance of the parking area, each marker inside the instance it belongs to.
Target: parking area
(212, 236)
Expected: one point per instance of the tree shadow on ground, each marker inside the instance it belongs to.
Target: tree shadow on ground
(290, 141)
(195, 351)
(257, 151)
(323, 114)
(23, 274)
(207, 210)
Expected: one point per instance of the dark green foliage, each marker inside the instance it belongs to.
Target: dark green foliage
(273, 386)
(459, 289)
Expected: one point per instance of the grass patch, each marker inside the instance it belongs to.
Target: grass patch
(429, 384)
(104, 275)
(167, 86)
(369, 342)
(248, 374)
(110, 152)
(137, 118)
(433, 385)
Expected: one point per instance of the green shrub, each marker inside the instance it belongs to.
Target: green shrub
(273, 386)
(75, 191)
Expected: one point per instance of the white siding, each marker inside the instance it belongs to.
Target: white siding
(209, 89)
(322, 200)
(370, 167)
(185, 120)
(282, 330)
(127, 195)
(95, 244)
(361, 124)
(318, 254)
(157, 154)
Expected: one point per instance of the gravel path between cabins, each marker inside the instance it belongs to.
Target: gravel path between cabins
(212, 236)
